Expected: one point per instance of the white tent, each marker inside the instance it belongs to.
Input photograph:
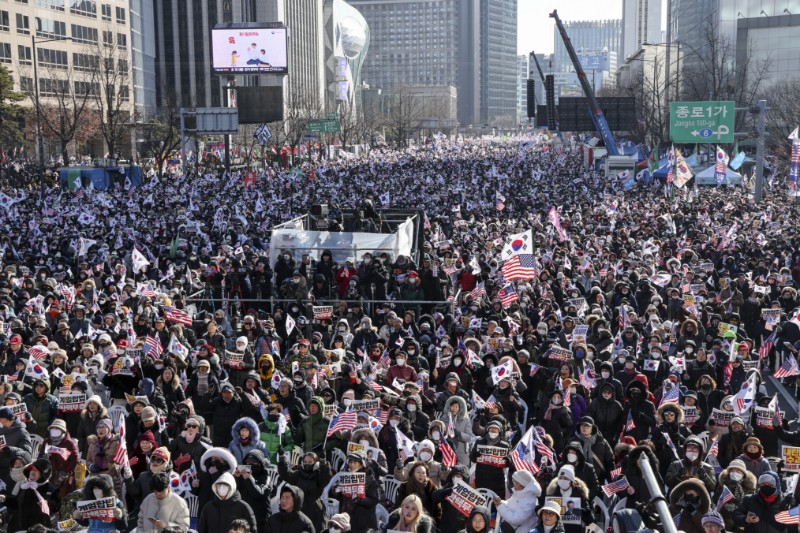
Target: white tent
(706, 177)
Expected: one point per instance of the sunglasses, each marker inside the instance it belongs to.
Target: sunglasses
(156, 460)
(192, 426)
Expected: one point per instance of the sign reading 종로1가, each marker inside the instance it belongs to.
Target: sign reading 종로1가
(699, 122)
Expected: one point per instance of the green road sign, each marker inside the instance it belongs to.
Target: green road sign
(323, 126)
(700, 122)
(332, 115)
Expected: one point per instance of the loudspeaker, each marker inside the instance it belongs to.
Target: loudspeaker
(531, 98)
(319, 210)
(550, 95)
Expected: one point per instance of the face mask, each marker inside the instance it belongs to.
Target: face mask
(457, 362)
(556, 401)
(334, 530)
(621, 359)
(412, 408)
(16, 473)
(705, 386)
(564, 484)
(342, 328)
(688, 350)
(308, 468)
(394, 423)
(766, 490)
(425, 456)
(55, 434)
(573, 390)
(411, 352)
(286, 257)
(736, 476)
(579, 355)
(222, 491)
(435, 435)
(541, 332)
(571, 457)
(298, 381)
(159, 366)
(655, 355)
(692, 456)
(98, 494)
(493, 435)
(605, 374)
(401, 362)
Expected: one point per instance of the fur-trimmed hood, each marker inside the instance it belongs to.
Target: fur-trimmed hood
(748, 482)
(365, 433)
(670, 406)
(247, 422)
(696, 485)
(579, 488)
(223, 454)
(461, 403)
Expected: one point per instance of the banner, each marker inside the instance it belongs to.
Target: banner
(791, 458)
(322, 312)
(764, 416)
(579, 335)
(570, 509)
(372, 453)
(772, 318)
(234, 358)
(353, 485)
(492, 455)
(722, 418)
(122, 367)
(97, 509)
(464, 498)
(690, 415)
(18, 409)
(72, 402)
(557, 353)
(724, 327)
(364, 405)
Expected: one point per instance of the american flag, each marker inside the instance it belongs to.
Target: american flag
(614, 473)
(507, 296)
(534, 369)
(629, 425)
(567, 398)
(449, 457)
(714, 450)
(670, 396)
(38, 352)
(615, 487)
(541, 447)
(491, 402)
(178, 316)
(376, 386)
(523, 455)
(478, 291)
(792, 516)
(61, 452)
(343, 422)
(686, 287)
(725, 497)
(121, 455)
(152, 347)
(588, 379)
(766, 347)
(385, 361)
(788, 368)
(519, 267)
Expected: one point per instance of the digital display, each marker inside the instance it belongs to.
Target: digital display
(249, 50)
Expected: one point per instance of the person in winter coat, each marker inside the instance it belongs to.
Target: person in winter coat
(607, 412)
(101, 450)
(366, 437)
(240, 362)
(584, 470)
(753, 457)
(567, 485)
(437, 472)
(455, 409)
(556, 419)
(670, 421)
(214, 463)
(202, 389)
(139, 488)
(292, 405)
(162, 508)
(226, 506)
(62, 452)
(595, 448)
(741, 483)
(410, 516)
(92, 412)
(170, 386)
(640, 410)
(757, 512)
(254, 486)
(245, 438)
(452, 520)
(42, 406)
(549, 519)
(311, 432)
(27, 495)
(692, 466)
(689, 502)
(97, 488)
(631, 471)
(227, 409)
(519, 511)
(290, 518)
(338, 523)
(139, 457)
(361, 510)
(190, 445)
(478, 521)
(311, 476)
(17, 440)
(489, 467)
(418, 483)
(269, 432)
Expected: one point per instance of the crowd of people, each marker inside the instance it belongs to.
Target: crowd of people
(554, 328)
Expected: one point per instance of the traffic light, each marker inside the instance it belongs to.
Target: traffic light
(550, 95)
(531, 98)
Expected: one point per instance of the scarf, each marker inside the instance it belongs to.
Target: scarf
(202, 384)
(550, 408)
(587, 443)
(768, 499)
(100, 454)
(33, 485)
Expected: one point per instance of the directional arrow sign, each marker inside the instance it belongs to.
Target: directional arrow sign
(695, 122)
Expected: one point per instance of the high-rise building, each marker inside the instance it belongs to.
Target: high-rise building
(587, 35)
(498, 46)
(143, 50)
(523, 71)
(465, 43)
(73, 41)
(641, 23)
(346, 44)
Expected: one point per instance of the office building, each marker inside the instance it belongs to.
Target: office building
(143, 50)
(498, 45)
(71, 38)
(523, 71)
(774, 41)
(641, 23)
(587, 36)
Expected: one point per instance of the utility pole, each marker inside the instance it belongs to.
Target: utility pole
(761, 110)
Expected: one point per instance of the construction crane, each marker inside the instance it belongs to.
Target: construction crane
(538, 67)
(596, 113)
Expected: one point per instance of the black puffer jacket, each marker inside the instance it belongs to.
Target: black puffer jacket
(296, 521)
(311, 483)
(218, 514)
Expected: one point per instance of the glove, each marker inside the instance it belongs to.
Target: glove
(133, 460)
(281, 451)
(181, 459)
(456, 434)
(239, 390)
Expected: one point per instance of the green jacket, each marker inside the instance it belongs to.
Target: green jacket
(43, 410)
(273, 441)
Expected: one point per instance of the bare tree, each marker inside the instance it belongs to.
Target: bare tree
(161, 133)
(112, 82)
(349, 123)
(404, 115)
(301, 108)
(783, 116)
(65, 97)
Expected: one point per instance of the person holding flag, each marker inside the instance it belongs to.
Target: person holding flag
(688, 503)
(735, 483)
(594, 447)
(692, 465)
(458, 430)
(490, 453)
(762, 510)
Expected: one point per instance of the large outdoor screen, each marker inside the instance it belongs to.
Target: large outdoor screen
(249, 50)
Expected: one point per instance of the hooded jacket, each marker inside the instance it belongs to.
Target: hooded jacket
(26, 503)
(520, 509)
(452, 520)
(583, 469)
(690, 513)
(642, 411)
(295, 521)
(683, 469)
(311, 484)
(240, 450)
(739, 489)
(462, 429)
(312, 430)
(607, 414)
(578, 490)
(255, 488)
(17, 440)
(764, 510)
(218, 514)
(172, 510)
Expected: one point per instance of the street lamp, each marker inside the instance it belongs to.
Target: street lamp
(39, 138)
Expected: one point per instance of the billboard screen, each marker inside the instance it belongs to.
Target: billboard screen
(249, 50)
